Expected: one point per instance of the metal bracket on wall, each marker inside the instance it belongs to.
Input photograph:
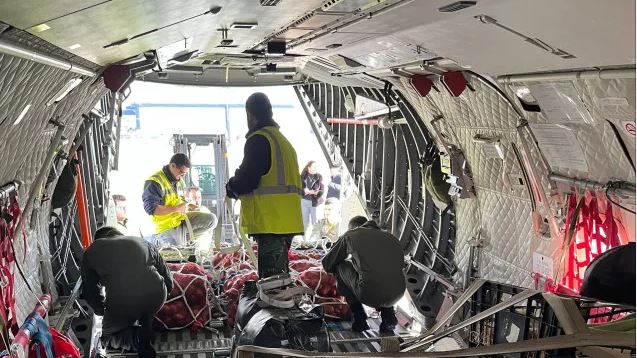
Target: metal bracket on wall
(475, 248)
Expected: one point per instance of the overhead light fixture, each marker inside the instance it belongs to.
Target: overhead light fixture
(457, 6)
(40, 28)
(22, 114)
(244, 25)
(68, 87)
(185, 57)
(226, 42)
(174, 50)
(269, 2)
(75, 46)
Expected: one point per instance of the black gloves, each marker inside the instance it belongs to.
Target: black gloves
(230, 192)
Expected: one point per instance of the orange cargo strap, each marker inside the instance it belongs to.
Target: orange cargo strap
(85, 232)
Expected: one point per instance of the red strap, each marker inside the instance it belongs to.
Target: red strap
(7, 260)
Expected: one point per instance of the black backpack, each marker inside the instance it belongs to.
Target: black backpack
(66, 186)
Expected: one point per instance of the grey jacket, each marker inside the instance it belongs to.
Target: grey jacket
(377, 257)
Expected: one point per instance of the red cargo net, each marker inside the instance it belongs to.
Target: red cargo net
(596, 231)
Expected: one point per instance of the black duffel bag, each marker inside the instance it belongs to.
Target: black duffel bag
(278, 328)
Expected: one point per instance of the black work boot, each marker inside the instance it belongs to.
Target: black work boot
(389, 320)
(360, 318)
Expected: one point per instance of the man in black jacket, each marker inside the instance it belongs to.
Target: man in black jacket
(137, 283)
(270, 212)
(373, 276)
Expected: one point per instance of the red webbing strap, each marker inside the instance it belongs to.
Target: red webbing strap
(593, 237)
(611, 227)
(7, 260)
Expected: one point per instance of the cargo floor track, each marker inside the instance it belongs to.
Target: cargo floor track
(210, 344)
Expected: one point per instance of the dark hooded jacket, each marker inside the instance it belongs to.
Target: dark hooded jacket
(256, 163)
(133, 273)
(377, 257)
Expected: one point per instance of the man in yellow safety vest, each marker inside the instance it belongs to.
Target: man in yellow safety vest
(269, 186)
(164, 201)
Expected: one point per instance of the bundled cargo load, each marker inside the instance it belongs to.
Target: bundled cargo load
(326, 293)
(192, 302)
(278, 328)
(305, 270)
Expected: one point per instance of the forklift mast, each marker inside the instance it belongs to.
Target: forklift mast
(210, 174)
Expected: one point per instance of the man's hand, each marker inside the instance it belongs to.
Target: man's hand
(181, 208)
(229, 192)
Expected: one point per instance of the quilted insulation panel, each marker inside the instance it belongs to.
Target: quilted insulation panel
(608, 102)
(23, 148)
(500, 213)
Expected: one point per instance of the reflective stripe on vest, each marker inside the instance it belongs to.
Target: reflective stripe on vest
(274, 207)
(281, 188)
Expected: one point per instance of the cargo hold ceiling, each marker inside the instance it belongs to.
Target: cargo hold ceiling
(490, 36)
(85, 27)
(495, 37)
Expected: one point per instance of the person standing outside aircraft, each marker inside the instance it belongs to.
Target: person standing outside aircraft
(120, 213)
(312, 193)
(164, 201)
(269, 186)
(334, 187)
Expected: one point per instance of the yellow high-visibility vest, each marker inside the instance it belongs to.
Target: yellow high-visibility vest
(274, 207)
(171, 198)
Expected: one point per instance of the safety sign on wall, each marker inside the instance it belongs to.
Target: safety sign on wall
(560, 146)
(629, 127)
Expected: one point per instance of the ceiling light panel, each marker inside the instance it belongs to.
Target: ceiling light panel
(244, 25)
(349, 5)
(269, 2)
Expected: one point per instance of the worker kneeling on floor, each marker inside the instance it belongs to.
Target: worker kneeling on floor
(137, 283)
(164, 200)
(368, 265)
(269, 186)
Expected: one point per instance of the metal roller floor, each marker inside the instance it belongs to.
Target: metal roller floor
(210, 344)
(187, 344)
(343, 339)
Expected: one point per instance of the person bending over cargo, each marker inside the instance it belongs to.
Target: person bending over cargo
(269, 186)
(164, 200)
(368, 265)
(136, 281)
